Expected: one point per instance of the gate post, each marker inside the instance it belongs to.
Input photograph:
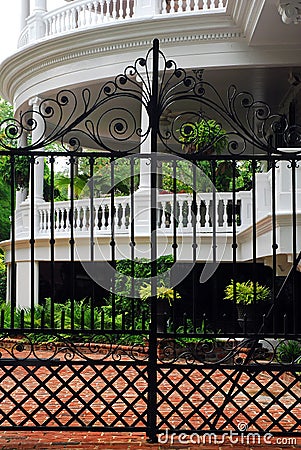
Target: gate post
(152, 364)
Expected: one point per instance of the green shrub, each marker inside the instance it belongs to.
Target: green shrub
(289, 351)
(244, 293)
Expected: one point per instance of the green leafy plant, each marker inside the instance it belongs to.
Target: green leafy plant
(207, 134)
(82, 313)
(62, 183)
(244, 292)
(183, 332)
(163, 292)
(289, 351)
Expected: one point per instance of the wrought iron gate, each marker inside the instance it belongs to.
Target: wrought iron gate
(102, 351)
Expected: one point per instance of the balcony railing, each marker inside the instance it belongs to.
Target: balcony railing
(167, 212)
(82, 14)
(85, 14)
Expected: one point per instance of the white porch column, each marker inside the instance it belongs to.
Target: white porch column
(39, 5)
(25, 12)
(147, 8)
(23, 283)
(143, 194)
(39, 166)
(24, 266)
(36, 25)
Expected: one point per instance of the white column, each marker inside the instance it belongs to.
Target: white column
(39, 166)
(25, 12)
(35, 21)
(8, 282)
(24, 267)
(23, 283)
(147, 8)
(143, 194)
(38, 5)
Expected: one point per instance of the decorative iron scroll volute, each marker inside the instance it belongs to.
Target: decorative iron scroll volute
(110, 120)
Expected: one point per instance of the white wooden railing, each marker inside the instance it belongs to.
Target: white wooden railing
(182, 6)
(82, 14)
(24, 38)
(182, 212)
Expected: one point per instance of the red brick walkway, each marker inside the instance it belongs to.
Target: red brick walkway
(123, 441)
(277, 395)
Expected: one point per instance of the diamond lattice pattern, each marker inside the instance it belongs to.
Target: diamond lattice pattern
(78, 395)
(220, 398)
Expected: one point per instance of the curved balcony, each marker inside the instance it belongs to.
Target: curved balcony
(81, 14)
(92, 218)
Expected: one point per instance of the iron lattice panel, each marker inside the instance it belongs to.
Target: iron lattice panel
(265, 399)
(74, 395)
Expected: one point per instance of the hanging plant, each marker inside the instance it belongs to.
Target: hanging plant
(204, 134)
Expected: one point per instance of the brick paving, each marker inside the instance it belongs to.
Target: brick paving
(89, 386)
(43, 440)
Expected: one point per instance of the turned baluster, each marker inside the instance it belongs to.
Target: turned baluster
(180, 213)
(164, 7)
(189, 213)
(164, 216)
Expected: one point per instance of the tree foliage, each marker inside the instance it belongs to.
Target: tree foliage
(21, 163)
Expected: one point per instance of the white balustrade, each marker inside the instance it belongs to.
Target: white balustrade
(89, 13)
(182, 6)
(170, 213)
(86, 14)
(203, 216)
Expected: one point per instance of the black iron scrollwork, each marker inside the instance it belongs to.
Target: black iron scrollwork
(281, 352)
(109, 119)
(58, 346)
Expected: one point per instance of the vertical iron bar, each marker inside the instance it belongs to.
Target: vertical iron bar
(72, 242)
(174, 238)
(215, 309)
(52, 242)
(33, 220)
(132, 243)
(214, 221)
(112, 243)
(234, 237)
(194, 245)
(152, 365)
(13, 242)
(91, 219)
(92, 243)
(294, 246)
(254, 233)
(274, 241)
(22, 319)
